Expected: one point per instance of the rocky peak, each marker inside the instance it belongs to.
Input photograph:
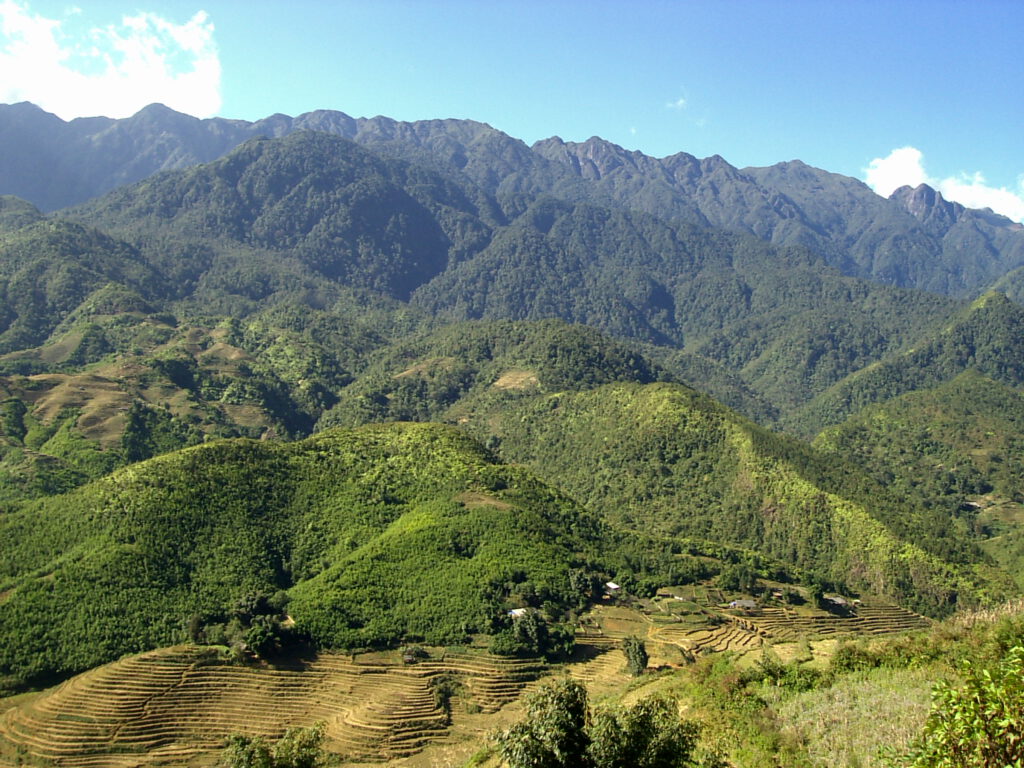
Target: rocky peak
(927, 204)
(592, 159)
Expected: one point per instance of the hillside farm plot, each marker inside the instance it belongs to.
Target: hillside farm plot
(696, 625)
(177, 706)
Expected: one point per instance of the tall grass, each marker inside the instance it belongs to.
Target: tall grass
(850, 722)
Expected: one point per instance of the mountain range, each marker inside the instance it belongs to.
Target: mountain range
(653, 370)
(914, 239)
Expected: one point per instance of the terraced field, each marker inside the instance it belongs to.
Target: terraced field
(785, 624)
(175, 707)
(744, 633)
(730, 636)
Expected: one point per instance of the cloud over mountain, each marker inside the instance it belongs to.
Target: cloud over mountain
(905, 167)
(111, 70)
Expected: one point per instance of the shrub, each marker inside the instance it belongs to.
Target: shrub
(560, 731)
(979, 724)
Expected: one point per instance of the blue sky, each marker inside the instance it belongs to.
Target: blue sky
(892, 92)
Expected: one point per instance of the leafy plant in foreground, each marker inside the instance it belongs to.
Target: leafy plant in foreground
(560, 730)
(979, 724)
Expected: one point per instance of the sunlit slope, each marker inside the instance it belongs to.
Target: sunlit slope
(381, 534)
(663, 457)
(985, 337)
(178, 705)
(958, 446)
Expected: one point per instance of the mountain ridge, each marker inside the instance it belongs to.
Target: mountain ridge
(787, 203)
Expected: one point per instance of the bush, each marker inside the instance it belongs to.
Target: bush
(298, 748)
(560, 731)
(979, 724)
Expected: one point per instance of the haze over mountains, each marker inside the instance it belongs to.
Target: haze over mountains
(598, 317)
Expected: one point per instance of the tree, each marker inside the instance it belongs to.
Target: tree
(647, 735)
(559, 731)
(298, 748)
(247, 752)
(636, 655)
(737, 577)
(979, 724)
(301, 748)
(530, 635)
(554, 734)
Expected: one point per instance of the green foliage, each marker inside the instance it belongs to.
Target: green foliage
(298, 748)
(256, 624)
(383, 535)
(150, 432)
(737, 577)
(531, 635)
(12, 419)
(661, 458)
(636, 655)
(984, 337)
(16, 213)
(958, 440)
(444, 688)
(306, 216)
(50, 268)
(793, 676)
(554, 732)
(650, 734)
(26, 470)
(980, 723)
(66, 443)
(441, 374)
(560, 730)
(337, 210)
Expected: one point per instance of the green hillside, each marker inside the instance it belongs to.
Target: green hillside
(662, 457)
(959, 440)
(48, 268)
(380, 535)
(431, 376)
(985, 336)
(958, 447)
(367, 391)
(313, 218)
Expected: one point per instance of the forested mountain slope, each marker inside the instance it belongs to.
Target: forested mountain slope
(985, 336)
(957, 446)
(301, 215)
(316, 220)
(660, 457)
(258, 265)
(914, 239)
(958, 440)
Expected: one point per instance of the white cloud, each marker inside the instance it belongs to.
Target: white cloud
(113, 70)
(974, 192)
(678, 104)
(905, 166)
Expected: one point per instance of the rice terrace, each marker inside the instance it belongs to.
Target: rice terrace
(175, 706)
